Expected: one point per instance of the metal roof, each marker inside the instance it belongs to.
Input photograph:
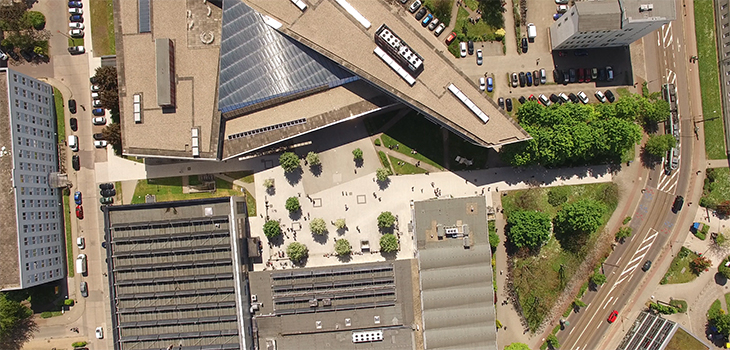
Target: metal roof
(257, 63)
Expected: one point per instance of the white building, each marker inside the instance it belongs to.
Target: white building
(31, 222)
(609, 23)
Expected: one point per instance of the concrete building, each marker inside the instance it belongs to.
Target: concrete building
(609, 23)
(31, 222)
(233, 77)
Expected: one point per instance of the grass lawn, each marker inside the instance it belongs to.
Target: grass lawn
(75, 42)
(69, 238)
(623, 92)
(472, 4)
(414, 132)
(679, 271)
(537, 278)
(629, 154)
(102, 27)
(681, 340)
(60, 118)
(715, 307)
(406, 168)
(717, 187)
(134, 159)
(709, 79)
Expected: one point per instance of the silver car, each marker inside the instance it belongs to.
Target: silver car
(439, 29)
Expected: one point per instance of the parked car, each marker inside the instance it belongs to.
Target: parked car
(561, 2)
(612, 317)
(600, 96)
(76, 50)
(98, 136)
(646, 266)
(100, 143)
(75, 162)
(98, 112)
(76, 18)
(76, 25)
(583, 97)
(482, 83)
(79, 212)
(99, 333)
(678, 203)
(108, 193)
(427, 20)
(84, 288)
(543, 76)
(544, 100)
(524, 45)
(594, 73)
(106, 186)
(75, 11)
(500, 102)
(96, 103)
(99, 120)
(528, 76)
(557, 76)
(586, 75)
(434, 23)
(80, 242)
(414, 6)
(573, 77)
(490, 84)
(439, 29)
(74, 124)
(450, 38)
(508, 103)
(536, 76)
(556, 16)
(462, 48)
(609, 73)
(76, 33)
(522, 99)
(610, 96)
(573, 98)
(78, 198)
(602, 74)
(470, 47)
(94, 88)
(523, 79)
(106, 200)
(480, 58)
(562, 8)
(421, 13)
(554, 98)
(72, 106)
(581, 78)
(566, 77)
(563, 97)
(515, 80)
(78, 4)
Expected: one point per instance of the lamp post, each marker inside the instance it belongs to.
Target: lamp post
(64, 34)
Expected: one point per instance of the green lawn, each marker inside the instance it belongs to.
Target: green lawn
(679, 271)
(537, 278)
(681, 340)
(406, 168)
(60, 118)
(414, 132)
(717, 187)
(69, 235)
(709, 79)
(102, 27)
(715, 307)
(75, 41)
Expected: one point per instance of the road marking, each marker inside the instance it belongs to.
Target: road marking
(608, 302)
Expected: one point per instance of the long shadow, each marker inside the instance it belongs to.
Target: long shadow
(277, 241)
(271, 190)
(293, 177)
(384, 184)
(389, 256)
(321, 239)
(295, 215)
(301, 263)
(344, 258)
(359, 163)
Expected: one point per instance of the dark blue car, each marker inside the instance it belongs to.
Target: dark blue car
(76, 18)
(98, 112)
(76, 4)
(529, 78)
(77, 198)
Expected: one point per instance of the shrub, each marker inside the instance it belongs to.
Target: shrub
(680, 305)
(724, 270)
(528, 228)
(46, 314)
(388, 243)
(382, 174)
(703, 232)
(623, 233)
(558, 195)
(68, 302)
(35, 19)
(272, 229)
(313, 159)
(552, 341)
(289, 161)
(318, 226)
(269, 183)
(663, 309)
(292, 204)
(340, 224)
(297, 251)
(386, 220)
(357, 154)
(79, 344)
(626, 220)
(377, 142)
(384, 159)
(342, 247)
(493, 237)
(598, 279)
(699, 265)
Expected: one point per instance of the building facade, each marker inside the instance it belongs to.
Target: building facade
(30, 150)
(609, 23)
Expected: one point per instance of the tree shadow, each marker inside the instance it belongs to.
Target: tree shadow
(271, 190)
(295, 215)
(293, 177)
(383, 184)
(648, 160)
(316, 170)
(321, 238)
(344, 258)
(21, 333)
(301, 262)
(342, 231)
(390, 255)
(359, 163)
(277, 241)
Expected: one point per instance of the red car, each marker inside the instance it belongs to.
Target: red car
(580, 75)
(612, 317)
(450, 38)
(587, 75)
(79, 212)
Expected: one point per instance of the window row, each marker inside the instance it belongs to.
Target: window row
(38, 215)
(42, 251)
(30, 94)
(37, 191)
(51, 226)
(34, 143)
(24, 129)
(42, 156)
(36, 167)
(41, 239)
(32, 107)
(30, 266)
(37, 203)
(42, 275)
(32, 119)
(32, 84)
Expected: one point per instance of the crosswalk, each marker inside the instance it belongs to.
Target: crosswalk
(637, 258)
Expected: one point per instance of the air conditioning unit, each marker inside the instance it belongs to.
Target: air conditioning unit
(646, 7)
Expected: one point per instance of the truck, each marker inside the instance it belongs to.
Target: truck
(531, 31)
(81, 264)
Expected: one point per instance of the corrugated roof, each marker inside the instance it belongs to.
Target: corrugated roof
(258, 63)
(598, 15)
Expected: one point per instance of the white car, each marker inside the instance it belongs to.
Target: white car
(99, 121)
(96, 103)
(100, 143)
(94, 88)
(600, 96)
(583, 97)
(480, 57)
(482, 84)
(562, 8)
(439, 29)
(561, 2)
(462, 45)
(80, 242)
(75, 11)
(76, 25)
(3, 56)
(545, 101)
(99, 333)
(543, 76)
(563, 97)
(95, 95)
(515, 80)
(76, 33)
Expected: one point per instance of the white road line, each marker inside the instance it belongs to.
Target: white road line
(608, 302)
(671, 37)
(634, 259)
(658, 39)
(642, 249)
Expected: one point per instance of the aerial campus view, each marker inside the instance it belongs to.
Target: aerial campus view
(365, 174)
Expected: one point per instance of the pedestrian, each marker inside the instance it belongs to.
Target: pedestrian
(413, 188)
(500, 272)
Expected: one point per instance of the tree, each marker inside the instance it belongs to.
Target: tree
(16, 323)
(723, 209)
(357, 154)
(721, 321)
(12, 16)
(272, 229)
(297, 251)
(598, 278)
(558, 195)
(659, 145)
(581, 217)
(292, 204)
(106, 78)
(627, 108)
(318, 226)
(109, 99)
(552, 341)
(441, 9)
(35, 19)
(517, 346)
(313, 158)
(340, 224)
(700, 264)
(342, 247)
(653, 112)
(289, 161)
(623, 233)
(113, 134)
(724, 270)
(528, 228)
(386, 220)
(388, 243)
(269, 183)
(382, 174)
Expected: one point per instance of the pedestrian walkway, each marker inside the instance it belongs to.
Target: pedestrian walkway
(717, 163)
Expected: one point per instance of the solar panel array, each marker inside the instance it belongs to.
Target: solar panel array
(174, 284)
(649, 332)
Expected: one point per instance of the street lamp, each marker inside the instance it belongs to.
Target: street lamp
(64, 34)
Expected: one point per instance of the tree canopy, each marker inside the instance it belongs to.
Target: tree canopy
(340, 224)
(272, 229)
(528, 228)
(659, 145)
(582, 217)
(113, 134)
(342, 247)
(517, 346)
(312, 158)
(16, 323)
(292, 204)
(318, 226)
(297, 251)
(388, 243)
(386, 220)
(598, 279)
(572, 134)
(382, 174)
(357, 154)
(289, 161)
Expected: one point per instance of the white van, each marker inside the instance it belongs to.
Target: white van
(73, 143)
(81, 264)
(531, 31)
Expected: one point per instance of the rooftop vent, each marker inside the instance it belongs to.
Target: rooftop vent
(646, 7)
(368, 336)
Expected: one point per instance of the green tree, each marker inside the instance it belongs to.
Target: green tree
(297, 251)
(528, 228)
(289, 162)
(598, 278)
(292, 204)
(653, 112)
(382, 174)
(272, 229)
(623, 233)
(722, 323)
(581, 217)
(113, 134)
(312, 158)
(517, 346)
(318, 226)
(106, 78)
(340, 224)
(552, 341)
(357, 154)
(269, 183)
(627, 108)
(388, 243)
(342, 247)
(724, 270)
(16, 323)
(35, 19)
(386, 220)
(659, 145)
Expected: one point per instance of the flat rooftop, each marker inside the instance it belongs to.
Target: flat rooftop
(351, 46)
(9, 269)
(661, 9)
(322, 307)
